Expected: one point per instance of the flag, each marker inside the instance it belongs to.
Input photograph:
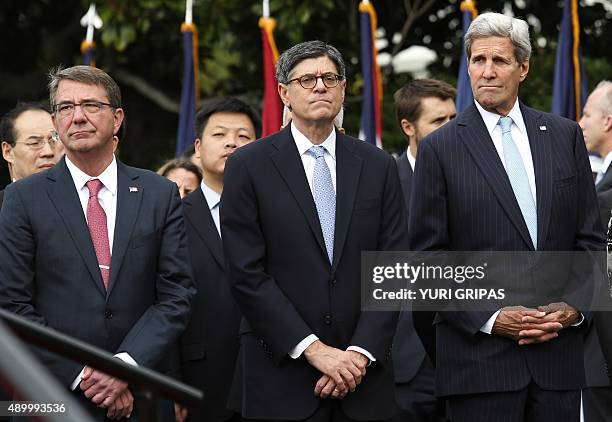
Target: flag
(87, 50)
(569, 76)
(272, 110)
(464, 88)
(371, 123)
(191, 88)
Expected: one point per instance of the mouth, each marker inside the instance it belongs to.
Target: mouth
(45, 166)
(80, 134)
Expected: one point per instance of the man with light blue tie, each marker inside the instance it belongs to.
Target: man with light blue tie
(297, 210)
(504, 177)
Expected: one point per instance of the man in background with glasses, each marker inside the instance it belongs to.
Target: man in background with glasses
(297, 210)
(96, 249)
(29, 141)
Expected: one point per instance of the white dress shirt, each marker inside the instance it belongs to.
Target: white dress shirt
(213, 199)
(308, 161)
(107, 196)
(411, 159)
(605, 164)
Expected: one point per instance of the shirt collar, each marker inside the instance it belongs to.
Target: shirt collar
(303, 143)
(212, 197)
(605, 164)
(491, 119)
(108, 177)
(411, 159)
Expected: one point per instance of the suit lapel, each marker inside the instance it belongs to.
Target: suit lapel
(65, 198)
(198, 213)
(605, 183)
(472, 131)
(405, 175)
(348, 169)
(541, 152)
(287, 161)
(128, 204)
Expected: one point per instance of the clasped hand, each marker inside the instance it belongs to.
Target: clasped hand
(529, 326)
(342, 370)
(108, 392)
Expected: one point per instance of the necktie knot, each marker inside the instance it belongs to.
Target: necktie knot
(94, 187)
(505, 123)
(316, 151)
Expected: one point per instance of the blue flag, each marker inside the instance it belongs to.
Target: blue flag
(371, 122)
(186, 129)
(569, 73)
(464, 88)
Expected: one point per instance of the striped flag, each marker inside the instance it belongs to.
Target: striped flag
(569, 76)
(272, 110)
(371, 122)
(87, 50)
(464, 88)
(191, 88)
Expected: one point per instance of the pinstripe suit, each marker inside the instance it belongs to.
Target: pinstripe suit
(466, 203)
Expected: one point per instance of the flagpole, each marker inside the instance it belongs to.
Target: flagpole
(92, 21)
(266, 9)
(189, 11)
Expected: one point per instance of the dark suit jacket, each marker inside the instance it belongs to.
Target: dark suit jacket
(283, 281)
(209, 346)
(1, 197)
(407, 351)
(466, 203)
(49, 271)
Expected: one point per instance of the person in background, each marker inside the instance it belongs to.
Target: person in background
(29, 141)
(421, 106)
(184, 173)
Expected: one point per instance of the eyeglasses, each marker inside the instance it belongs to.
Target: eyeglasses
(88, 107)
(309, 81)
(36, 143)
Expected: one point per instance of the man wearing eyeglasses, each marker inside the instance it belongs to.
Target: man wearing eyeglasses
(298, 208)
(96, 249)
(29, 142)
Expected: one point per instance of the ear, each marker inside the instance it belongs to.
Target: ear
(608, 122)
(524, 70)
(197, 145)
(408, 128)
(118, 120)
(7, 152)
(283, 92)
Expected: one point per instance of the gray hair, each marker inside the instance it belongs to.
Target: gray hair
(606, 101)
(88, 75)
(497, 25)
(307, 50)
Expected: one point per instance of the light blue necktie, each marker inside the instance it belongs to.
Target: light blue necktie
(325, 198)
(518, 179)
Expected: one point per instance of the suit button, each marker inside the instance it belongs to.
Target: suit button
(333, 281)
(108, 314)
(328, 319)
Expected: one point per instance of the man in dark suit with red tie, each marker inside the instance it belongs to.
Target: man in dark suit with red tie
(298, 208)
(209, 346)
(94, 248)
(504, 177)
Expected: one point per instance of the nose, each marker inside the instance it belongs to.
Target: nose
(46, 150)
(489, 71)
(231, 141)
(319, 85)
(78, 116)
(581, 122)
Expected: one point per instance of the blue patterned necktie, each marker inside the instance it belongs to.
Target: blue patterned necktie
(518, 179)
(325, 198)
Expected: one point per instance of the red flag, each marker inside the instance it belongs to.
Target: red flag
(271, 115)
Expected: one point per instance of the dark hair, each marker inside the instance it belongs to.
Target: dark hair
(225, 105)
(408, 98)
(176, 163)
(7, 123)
(88, 75)
(307, 50)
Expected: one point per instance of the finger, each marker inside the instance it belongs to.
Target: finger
(349, 379)
(339, 381)
(538, 330)
(130, 400)
(356, 373)
(98, 399)
(544, 338)
(111, 413)
(328, 389)
(320, 384)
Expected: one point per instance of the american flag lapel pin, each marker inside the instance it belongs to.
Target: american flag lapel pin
(133, 189)
(542, 128)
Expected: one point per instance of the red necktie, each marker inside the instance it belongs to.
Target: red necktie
(96, 222)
